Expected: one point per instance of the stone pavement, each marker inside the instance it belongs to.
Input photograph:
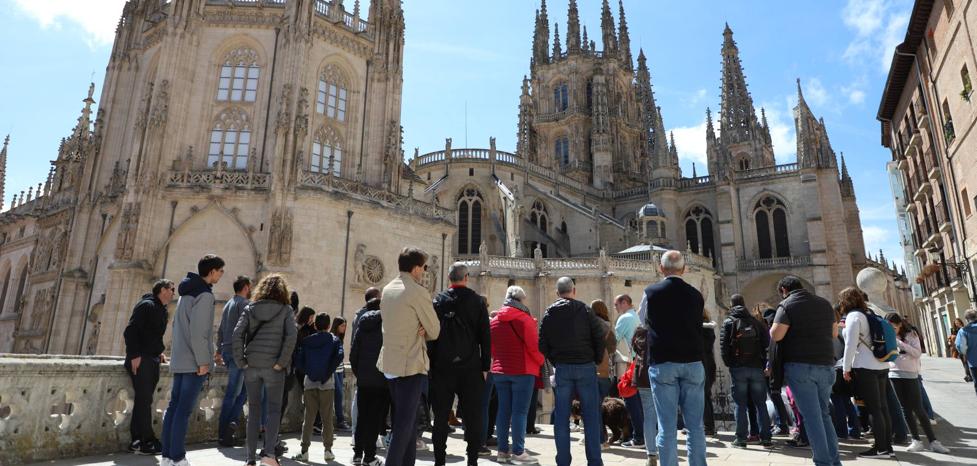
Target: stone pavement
(952, 398)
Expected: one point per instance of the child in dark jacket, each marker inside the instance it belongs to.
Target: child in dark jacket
(319, 356)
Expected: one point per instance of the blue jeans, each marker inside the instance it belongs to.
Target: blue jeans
(900, 430)
(579, 379)
(926, 400)
(811, 385)
(234, 396)
(748, 383)
(338, 399)
(176, 420)
(633, 405)
(650, 417)
(515, 391)
(679, 385)
(845, 417)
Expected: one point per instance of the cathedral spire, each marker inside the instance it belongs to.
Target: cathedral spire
(737, 116)
(624, 38)
(541, 36)
(607, 29)
(585, 45)
(573, 28)
(3, 168)
(656, 142)
(765, 126)
(85, 120)
(557, 50)
(673, 149)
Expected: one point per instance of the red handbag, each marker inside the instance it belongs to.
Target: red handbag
(625, 387)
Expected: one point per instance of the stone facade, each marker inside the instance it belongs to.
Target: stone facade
(265, 131)
(927, 115)
(594, 170)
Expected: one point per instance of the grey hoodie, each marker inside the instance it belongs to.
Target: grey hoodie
(193, 326)
(275, 338)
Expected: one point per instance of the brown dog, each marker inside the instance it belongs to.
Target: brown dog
(613, 413)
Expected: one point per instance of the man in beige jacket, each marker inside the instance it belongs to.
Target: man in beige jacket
(408, 319)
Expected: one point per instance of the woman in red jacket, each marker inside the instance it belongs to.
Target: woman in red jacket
(515, 367)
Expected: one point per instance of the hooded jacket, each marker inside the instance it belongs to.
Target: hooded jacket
(321, 353)
(515, 343)
(193, 326)
(265, 335)
(144, 333)
(365, 350)
(463, 303)
(572, 334)
(740, 316)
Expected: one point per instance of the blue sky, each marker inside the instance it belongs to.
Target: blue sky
(472, 54)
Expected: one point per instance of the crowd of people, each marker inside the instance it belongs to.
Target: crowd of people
(804, 369)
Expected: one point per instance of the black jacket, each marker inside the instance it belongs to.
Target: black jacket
(638, 342)
(674, 321)
(467, 305)
(571, 333)
(365, 351)
(144, 333)
(738, 315)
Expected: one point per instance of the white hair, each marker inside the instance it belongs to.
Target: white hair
(516, 293)
(673, 261)
(564, 285)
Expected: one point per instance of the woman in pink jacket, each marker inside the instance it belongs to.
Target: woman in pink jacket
(516, 363)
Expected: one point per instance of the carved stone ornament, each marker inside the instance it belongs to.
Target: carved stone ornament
(280, 238)
(368, 270)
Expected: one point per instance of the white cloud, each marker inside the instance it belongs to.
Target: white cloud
(691, 144)
(695, 99)
(781, 121)
(97, 19)
(815, 92)
(878, 30)
(856, 96)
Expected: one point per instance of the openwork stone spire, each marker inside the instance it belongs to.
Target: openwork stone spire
(3, 168)
(656, 143)
(573, 28)
(737, 117)
(624, 38)
(541, 36)
(557, 49)
(607, 29)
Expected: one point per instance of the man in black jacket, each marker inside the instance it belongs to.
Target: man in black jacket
(144, 354)
(371, 386)
(572, 338)
(743, 343)
(460, 359)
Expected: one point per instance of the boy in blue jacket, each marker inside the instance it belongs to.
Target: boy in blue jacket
(319, 356)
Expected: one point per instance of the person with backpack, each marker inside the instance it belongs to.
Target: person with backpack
(460, 361)
(966, 341)
(319, 356)
(371, 387)
(263, 341)
(864, 332)
(743, 344)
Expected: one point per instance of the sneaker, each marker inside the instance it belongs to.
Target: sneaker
(524, 458)
(373, 462)
(780, 431)
(739, 443)
(503, 457)
(420, 445)
(357, 459)
(168, 462)
(343, 427)
(304, 457)
(753, 439)
(150, 448)
(484, 452)
(916, 446)
(933, 422)
(135, 446)
(938, 447)
(968, 379)
(873, 453)
(633, 444)
(491, 442)
(328, 456)
(533, 431)
(766, 443)
(798, 443)
(652, 461)
(269, 461)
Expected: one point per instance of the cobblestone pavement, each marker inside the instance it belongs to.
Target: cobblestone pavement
(952, 398)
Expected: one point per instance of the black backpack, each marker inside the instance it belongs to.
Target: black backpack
(455, 343)
(746, 340)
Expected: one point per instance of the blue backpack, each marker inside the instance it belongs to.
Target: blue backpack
(883, 335)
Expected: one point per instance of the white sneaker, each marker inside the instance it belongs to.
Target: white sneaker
(938, 447)
(303, 456)
(163, 461)
(916, 446)
(932, 422)
(524, 458)
(183, 462)
(503, 457)
(328, 455)
(420, 445)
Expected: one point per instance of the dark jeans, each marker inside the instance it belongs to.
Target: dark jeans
(579, 379)
(635, 412)
(748, 383)
(144, 383)
(911, 399)
(273, 383)
(783, 418)
(372, 405)
(973, 370)
(176, 420)
(234, 395)
(488, 400)
(405, 395)
(533, 407)
(603, 391)
(708, 417)
(468, 385)
(340, 378)
(900, 430)
(871, 386)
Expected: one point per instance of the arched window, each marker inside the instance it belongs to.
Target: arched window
(469, 221)
(561, 97)
(561, 150)
(770, 215)
(333, 94)
(539, 216)
(327, 152)
(3, 291)
(744, 164)
(239, 76)
(21, 285)
(230, 140)
(698, 231)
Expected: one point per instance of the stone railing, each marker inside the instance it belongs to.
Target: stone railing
(55, 407)
(646, 262)
(773, 263)
(776, 170)
(219, 179)
(407, 204)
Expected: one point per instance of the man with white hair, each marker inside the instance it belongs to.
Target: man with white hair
(967, 342)
(572, 337)
(672, 312)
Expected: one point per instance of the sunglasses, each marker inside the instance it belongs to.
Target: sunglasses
(425, 267)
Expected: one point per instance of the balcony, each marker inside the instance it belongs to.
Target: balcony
(773, 263)
(934, 173)
(910, 206)
(924, 189)
(924, 121)
(915, 142)
(935, 239)
(942, 218)
(902, 163)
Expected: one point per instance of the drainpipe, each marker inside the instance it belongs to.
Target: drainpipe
(444, 238)
(342, 302)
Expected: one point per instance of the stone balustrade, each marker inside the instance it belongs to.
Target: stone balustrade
(55, 406)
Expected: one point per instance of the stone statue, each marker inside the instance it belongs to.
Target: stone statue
(359, 262)
(874, 283)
